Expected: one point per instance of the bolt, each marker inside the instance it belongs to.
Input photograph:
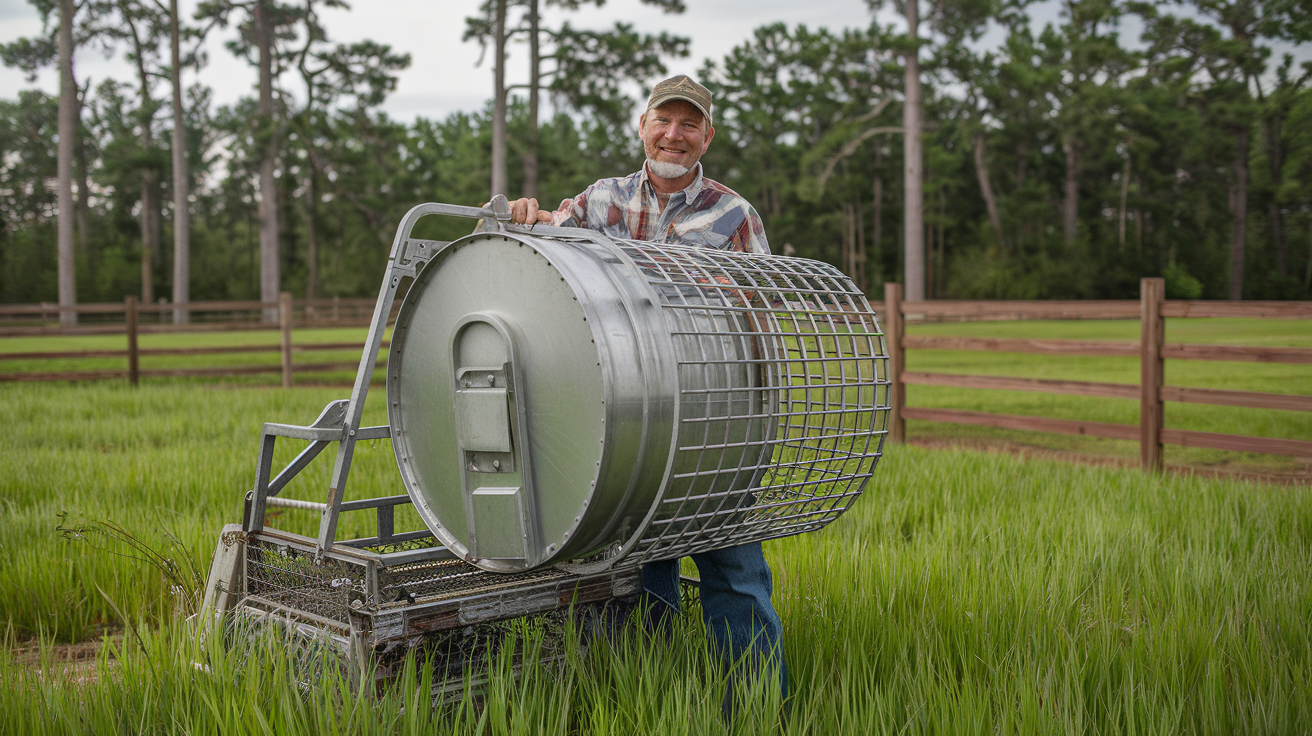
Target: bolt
(491, 379)
(496, 464)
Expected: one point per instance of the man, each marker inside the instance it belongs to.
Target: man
(670, 201)
(667, 200)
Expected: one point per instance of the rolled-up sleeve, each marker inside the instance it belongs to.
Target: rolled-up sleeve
(573, 212)
(749, 236)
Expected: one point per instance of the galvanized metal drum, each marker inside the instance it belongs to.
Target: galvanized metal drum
(563, 397)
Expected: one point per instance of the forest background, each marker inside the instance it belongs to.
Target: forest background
(1065, 162)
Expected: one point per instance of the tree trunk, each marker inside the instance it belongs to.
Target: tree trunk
(150, 204)
(861, 280)
(311, 236)
(82, 205)
(914, 200)
(1071, 200)
(1138, 228)
(878, 196)
(499, 103)
(269, 265)
(1239, 207)
(67, 276)
(181, 183)
(1125, 196)
(929, 261)
(534, 81)
(1275, 162)
(845, 257)
(941, 286)
(982, 171)
(149, 235)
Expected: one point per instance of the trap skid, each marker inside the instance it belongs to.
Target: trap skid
(373, 599)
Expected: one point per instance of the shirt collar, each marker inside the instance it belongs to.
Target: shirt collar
(690, 192)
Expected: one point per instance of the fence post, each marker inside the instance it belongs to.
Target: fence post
(894, 328)
(1152, 329)
(130, 326)
(285, 323)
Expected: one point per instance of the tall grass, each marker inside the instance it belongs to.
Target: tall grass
(964, 593)
(163, 459)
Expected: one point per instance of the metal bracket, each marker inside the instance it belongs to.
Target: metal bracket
(340, 420)
(498, 212)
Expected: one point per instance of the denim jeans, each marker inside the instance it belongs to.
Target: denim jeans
(735, 591)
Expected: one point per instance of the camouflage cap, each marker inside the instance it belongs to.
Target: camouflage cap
(683, 88)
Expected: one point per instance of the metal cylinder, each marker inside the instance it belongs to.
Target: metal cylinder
(562, 397)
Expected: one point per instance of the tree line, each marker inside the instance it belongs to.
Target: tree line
(1066, 161)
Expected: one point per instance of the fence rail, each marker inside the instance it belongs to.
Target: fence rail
(290, 312)
(1151, 310)
(109, 318)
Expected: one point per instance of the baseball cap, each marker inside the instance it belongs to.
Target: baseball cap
(683, 88)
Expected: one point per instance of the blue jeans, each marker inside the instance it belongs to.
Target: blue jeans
(735, 593)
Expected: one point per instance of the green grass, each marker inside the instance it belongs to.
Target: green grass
(964, 593)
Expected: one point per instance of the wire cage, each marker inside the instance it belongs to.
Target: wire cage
(564, 407)
(783, 396)
(619, 401)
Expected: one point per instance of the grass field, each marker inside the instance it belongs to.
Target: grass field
(965, 593)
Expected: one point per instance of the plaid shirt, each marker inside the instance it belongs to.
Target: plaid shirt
(706, 214)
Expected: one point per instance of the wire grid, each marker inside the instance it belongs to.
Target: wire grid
(290, 577)
(784, 396)
(436, 580)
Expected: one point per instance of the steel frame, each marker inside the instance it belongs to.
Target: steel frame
(361, 602)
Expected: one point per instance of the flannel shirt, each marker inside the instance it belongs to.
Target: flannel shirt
(706, 214)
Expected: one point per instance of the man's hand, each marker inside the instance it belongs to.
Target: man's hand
(525, 211)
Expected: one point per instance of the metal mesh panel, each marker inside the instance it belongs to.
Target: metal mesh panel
(428, 581)
(783, 396)
(287, 576)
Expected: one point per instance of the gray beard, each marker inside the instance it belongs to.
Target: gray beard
(666, 169)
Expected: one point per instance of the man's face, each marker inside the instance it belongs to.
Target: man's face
(676, 133)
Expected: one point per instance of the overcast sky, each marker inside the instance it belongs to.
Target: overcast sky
(443, 77)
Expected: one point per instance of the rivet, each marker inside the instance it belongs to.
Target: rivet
(496, 464)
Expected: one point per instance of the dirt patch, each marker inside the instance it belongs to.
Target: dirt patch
(74, 664)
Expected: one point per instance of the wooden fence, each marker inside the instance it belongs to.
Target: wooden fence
(108, 318)
(213, 316)
(1151, 349)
